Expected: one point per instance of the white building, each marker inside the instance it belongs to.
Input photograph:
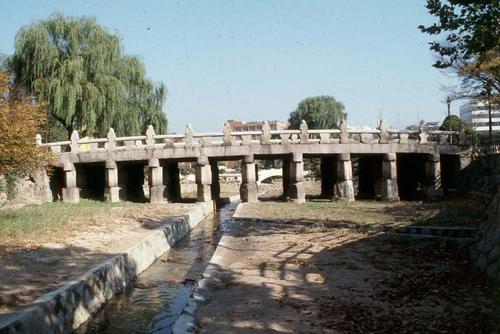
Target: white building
(475, 114)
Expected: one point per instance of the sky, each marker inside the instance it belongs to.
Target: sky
(256, 60)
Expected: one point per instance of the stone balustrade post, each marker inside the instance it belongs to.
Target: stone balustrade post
(433, 187)
(296, 190)
(389, 182)
(71, 193)
(156, 187)
(248, 188)
(112, 190)
(75, 147)
(344, 188)
(203, 174)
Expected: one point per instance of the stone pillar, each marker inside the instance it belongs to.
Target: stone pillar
(389, 183)
(171, 180)
(112, 190)
(155, 180)
(327, 176)
(71, 193)
(344, 188)
(248, 188)
(296, 186)
(203, 175)
(215, 189)
(432, 186)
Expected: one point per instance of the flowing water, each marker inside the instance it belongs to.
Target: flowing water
(160, 293)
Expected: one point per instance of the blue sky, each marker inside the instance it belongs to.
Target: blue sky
(254, 60)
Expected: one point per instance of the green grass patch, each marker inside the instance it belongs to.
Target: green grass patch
(42, 222)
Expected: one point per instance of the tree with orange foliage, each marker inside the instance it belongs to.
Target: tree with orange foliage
(20, 120)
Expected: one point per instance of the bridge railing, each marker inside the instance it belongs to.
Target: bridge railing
(266, 136)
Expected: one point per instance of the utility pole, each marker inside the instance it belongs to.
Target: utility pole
(448, 102)
(490, 124)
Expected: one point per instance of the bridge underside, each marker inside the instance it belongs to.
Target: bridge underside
(386, 172)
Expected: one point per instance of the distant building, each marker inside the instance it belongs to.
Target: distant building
(256, 125)
(430, 126)
(475, 113)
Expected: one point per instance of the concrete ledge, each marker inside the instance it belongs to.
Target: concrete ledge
(65, 309)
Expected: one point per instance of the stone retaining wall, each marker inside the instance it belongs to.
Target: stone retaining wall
(486, 252)
(65, 309)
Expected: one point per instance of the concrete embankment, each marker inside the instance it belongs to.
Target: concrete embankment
(63, 310)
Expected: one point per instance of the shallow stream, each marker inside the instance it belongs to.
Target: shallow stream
(158, 296)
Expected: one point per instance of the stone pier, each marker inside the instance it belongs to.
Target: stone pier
(248, 188)
(112, 190)
(296, 187)
(71, 193)
(344, 188)
(215, 188)
(155, 179)
(433, 187)
(389, 182)
(203, 174)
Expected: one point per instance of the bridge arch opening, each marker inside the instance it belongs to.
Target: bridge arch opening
(367, 173)
(272, 176)
(132, 180)
(411, 176)
(450, 173)
(91, 180)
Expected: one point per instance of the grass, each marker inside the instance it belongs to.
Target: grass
(49, 220)
(454, 212)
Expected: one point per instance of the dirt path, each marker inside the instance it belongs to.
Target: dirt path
(28, 270)
(291, 279)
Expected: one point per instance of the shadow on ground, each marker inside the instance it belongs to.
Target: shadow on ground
(275, 278)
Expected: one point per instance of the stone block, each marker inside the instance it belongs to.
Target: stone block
(249, 192)
(112, 194)
(156, 194)
(344, 190)
(71, 195)
(203, 193)
(296, 192)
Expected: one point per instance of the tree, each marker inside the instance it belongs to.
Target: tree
(20, 121)
(320, 112)
(453, 123)
(79, 70)
(471, 47)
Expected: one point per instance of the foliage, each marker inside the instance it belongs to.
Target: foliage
(320, 112)
(78, 68)
(20, 121)
(471, 47)
(453, 123)
(412, 127)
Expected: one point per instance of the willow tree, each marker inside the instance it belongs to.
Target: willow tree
(319, 112)
(79, 70)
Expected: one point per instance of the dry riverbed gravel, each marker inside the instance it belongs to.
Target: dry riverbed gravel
(32, 264)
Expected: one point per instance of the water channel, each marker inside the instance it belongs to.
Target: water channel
(157, 297)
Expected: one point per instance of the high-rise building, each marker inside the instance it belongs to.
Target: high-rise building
(475, 113)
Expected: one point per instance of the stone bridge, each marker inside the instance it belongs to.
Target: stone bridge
(387, 164)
